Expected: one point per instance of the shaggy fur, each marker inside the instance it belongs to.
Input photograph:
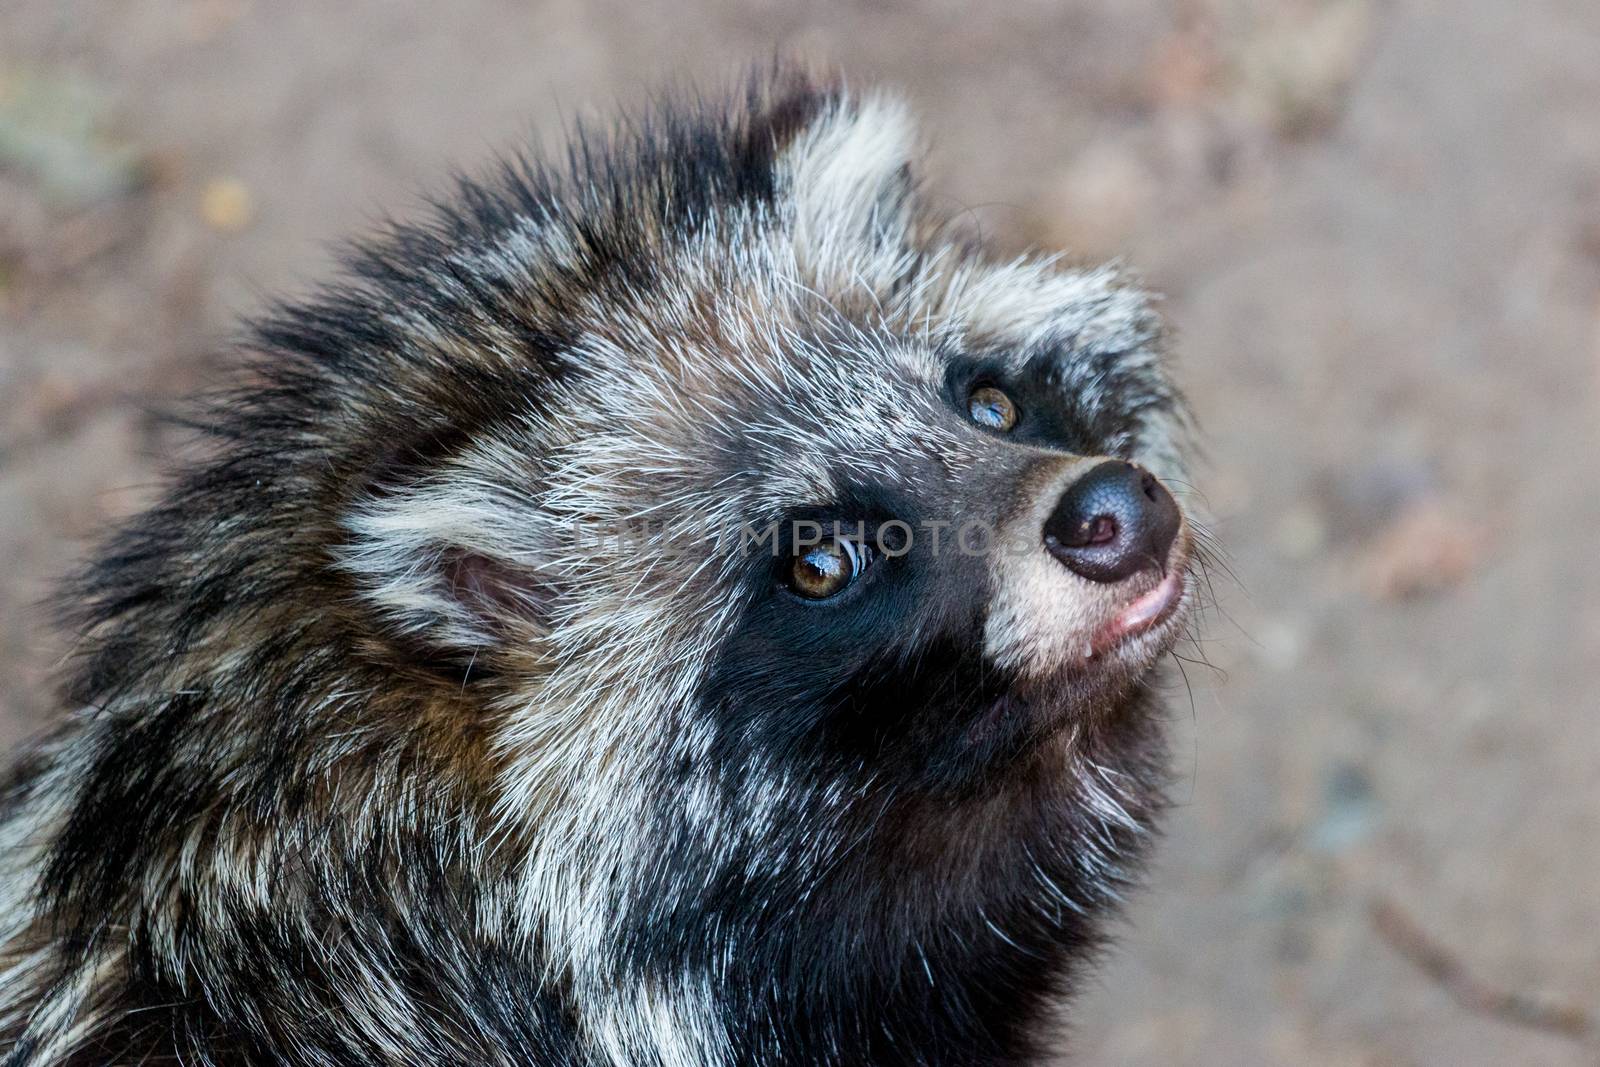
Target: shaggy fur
(387, 749)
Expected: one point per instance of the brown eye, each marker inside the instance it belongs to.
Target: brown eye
(989, 407)
(824, 570)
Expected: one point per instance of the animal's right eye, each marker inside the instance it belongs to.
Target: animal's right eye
(827, 569)
(988, 406)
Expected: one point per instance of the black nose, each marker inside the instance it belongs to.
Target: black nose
(1115, 520)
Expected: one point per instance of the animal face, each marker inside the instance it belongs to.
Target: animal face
(805, 513)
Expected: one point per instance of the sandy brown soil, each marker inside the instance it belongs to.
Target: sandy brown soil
(1378, 226)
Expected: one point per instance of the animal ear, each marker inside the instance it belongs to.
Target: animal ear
(450, 561)
(848, 172)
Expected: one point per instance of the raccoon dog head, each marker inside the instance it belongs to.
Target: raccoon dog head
(769, 525)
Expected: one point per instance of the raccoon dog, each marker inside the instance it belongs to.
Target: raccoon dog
(690, 606)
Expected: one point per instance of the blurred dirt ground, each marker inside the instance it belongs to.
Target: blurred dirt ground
(1378, 228)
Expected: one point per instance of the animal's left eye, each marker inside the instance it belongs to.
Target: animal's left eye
(826, 570)
(988, 406)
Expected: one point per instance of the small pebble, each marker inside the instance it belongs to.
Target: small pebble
(226, 205)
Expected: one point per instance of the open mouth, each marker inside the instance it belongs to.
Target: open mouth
(1144, 613)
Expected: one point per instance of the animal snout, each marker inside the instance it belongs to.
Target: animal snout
(1116, 520)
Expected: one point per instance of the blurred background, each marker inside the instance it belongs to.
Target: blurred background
(1377, 226)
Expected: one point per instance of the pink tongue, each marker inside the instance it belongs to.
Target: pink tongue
(1145, 610)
